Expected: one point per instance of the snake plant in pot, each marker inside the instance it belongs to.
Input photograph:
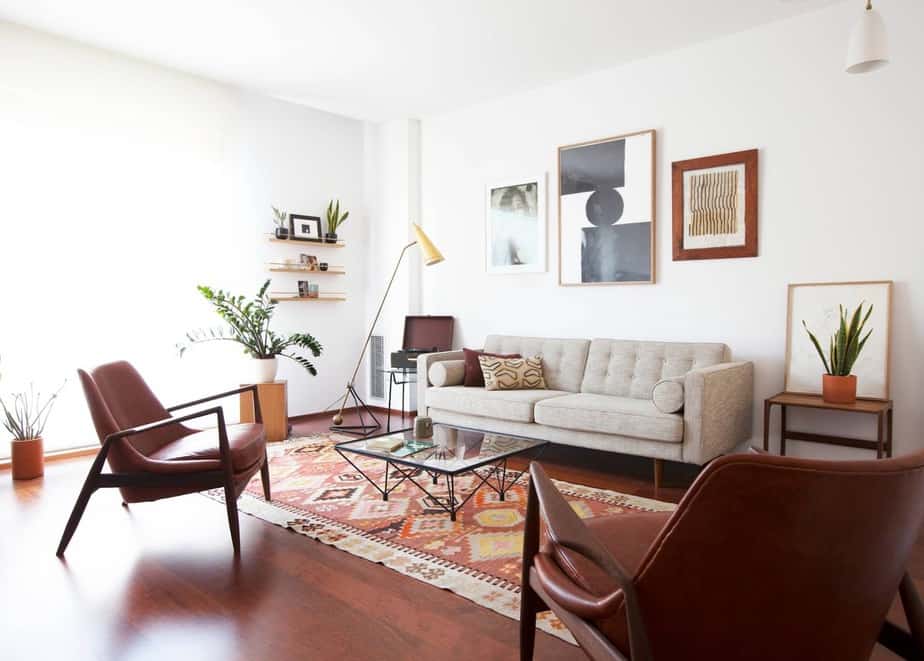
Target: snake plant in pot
(24, 416)
(838, 385)
(248, 324)
(334, 220)
(281, 222)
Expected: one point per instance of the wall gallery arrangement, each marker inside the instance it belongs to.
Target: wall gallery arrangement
(515, 226)
(715, 206)
(818, 305)
(606, 211)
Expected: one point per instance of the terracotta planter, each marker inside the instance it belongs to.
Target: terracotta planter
(839, 389)
(28, 459)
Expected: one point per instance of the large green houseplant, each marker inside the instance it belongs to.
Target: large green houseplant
(248, 324)
(839, 386)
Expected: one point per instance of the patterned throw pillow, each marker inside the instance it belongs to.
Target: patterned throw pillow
(512, 373)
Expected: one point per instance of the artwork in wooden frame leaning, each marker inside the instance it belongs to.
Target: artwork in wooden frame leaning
(839, 316)
(714, 206)
(606, 211)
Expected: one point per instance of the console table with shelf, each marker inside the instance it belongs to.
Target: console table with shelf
(881, 409)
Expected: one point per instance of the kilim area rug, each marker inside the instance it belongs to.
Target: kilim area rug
(318, 494)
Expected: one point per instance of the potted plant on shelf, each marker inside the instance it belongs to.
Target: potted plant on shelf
(282, 223)
(838, 385)
(248, 325)
(334, 220)
(25, 416)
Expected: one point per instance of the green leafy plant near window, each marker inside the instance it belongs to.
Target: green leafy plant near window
(334, 218)
(249, 326)
(847, 342)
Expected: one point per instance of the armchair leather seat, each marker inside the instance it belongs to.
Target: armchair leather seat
(246, 441)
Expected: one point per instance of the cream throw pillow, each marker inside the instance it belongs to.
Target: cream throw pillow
(512, 373)
(447, 373)
(667, 394)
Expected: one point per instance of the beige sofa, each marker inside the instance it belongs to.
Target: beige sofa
(665, 400)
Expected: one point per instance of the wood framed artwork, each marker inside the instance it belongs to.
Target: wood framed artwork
(817, 303)
(305, 228)
(516, 226)
(715, 206)
(606, 211)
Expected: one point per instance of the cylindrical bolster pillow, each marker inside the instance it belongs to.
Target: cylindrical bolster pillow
(667, 394)
(447, 373)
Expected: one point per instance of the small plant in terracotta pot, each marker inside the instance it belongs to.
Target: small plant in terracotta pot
(24, 416)
(838, 385)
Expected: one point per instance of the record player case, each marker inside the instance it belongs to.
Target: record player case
(423, 334)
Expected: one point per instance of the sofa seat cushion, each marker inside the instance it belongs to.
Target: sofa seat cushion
(515, 405)
(609, 414)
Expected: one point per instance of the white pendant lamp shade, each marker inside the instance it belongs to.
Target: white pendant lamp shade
(868, 48)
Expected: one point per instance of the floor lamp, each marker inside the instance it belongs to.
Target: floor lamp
(431, 256)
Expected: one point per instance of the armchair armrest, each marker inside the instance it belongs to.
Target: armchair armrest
(718, 410)
(224, 447)
(424, 361)
(251, 388)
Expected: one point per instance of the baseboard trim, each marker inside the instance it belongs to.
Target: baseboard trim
(326, 414)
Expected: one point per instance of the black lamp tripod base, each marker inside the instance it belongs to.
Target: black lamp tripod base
(362, 429)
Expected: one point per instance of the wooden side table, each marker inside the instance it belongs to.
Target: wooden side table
(273, 407)
(881, 409)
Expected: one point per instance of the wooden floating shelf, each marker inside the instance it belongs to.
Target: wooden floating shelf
(305, 244)
(293, 269)
(306, 299)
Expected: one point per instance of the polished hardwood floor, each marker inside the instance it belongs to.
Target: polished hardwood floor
(158, 581)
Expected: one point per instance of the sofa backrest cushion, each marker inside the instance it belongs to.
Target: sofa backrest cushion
(628, 368)
(563, 360)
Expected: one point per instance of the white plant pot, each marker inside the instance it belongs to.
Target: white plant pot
(264, 369)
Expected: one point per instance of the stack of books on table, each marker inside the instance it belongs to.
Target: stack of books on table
(384, 443)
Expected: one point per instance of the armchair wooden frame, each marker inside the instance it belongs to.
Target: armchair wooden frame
(191, 481)
(576, 608)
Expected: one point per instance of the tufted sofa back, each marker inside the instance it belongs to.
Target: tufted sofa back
(628, 368)
(563, 361)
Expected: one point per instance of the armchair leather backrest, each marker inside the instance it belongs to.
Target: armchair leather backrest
(781, 558)
(119, 399)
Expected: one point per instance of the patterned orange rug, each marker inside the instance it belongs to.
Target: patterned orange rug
(318, 494)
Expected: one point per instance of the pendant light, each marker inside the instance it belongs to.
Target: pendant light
(868, 48)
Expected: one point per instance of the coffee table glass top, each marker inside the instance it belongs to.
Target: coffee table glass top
(451, 450)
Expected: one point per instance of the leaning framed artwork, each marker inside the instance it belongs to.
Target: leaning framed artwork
(304, 228)
(818, 305)
(515, 226)
(606, 211)
(714, 206)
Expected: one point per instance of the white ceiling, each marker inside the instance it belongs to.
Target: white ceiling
(381, 59)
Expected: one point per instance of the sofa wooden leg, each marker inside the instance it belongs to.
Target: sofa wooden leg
(658, 473)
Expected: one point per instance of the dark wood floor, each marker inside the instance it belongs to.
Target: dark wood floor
(158, 581)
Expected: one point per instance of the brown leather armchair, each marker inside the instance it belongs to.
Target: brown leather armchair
(153, 455)
(765, 558)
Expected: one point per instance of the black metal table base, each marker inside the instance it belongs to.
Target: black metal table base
(449, 503)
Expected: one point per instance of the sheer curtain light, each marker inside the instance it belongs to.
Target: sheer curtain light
(868, 48)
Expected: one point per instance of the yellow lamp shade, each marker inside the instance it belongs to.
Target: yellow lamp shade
(431, 254)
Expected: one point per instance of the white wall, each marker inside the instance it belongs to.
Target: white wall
(392, 161)
(840, 196)
(123, 185)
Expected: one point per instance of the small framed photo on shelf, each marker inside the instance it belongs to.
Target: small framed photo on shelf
(305, 228)
(303, 288)
(310, 262)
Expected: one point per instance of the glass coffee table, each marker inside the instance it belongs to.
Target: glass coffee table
(451, 452)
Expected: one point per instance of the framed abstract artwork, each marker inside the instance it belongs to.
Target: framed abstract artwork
(818, 304)
(606, 211)
(515, 226)
(304, 228)
(715, 206)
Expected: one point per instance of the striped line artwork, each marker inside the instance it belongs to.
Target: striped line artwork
(714, 203)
